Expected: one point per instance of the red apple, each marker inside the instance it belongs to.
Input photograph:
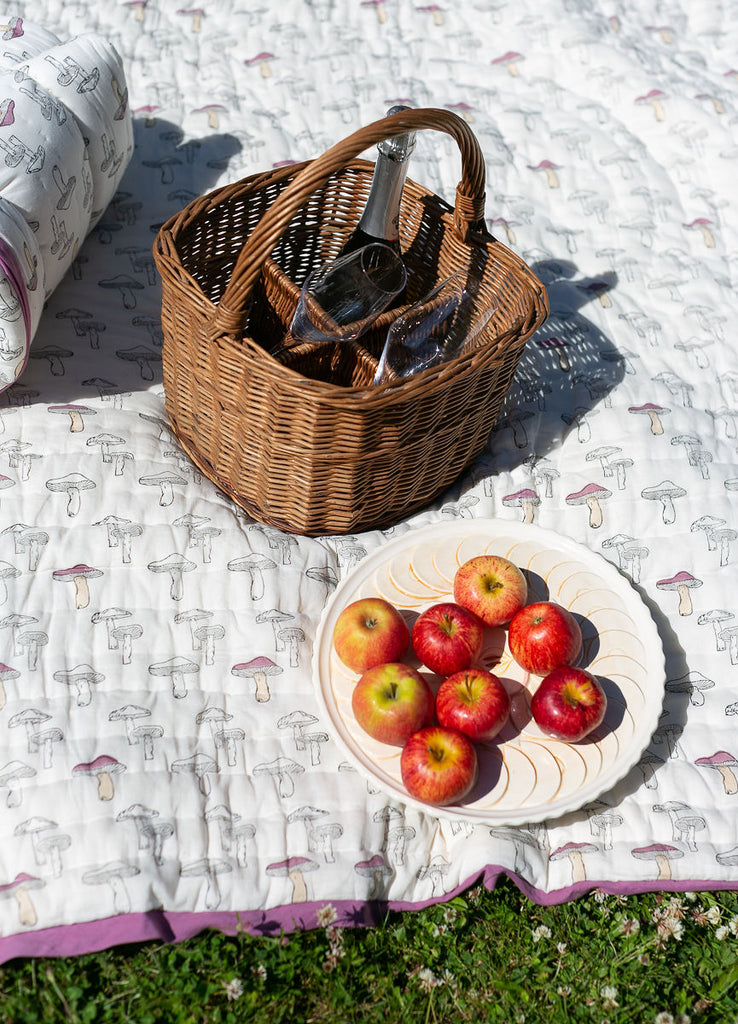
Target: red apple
(569, 703)
(492, 587)
(391, 701)
(544, 636)
(369, 632)
(438, 765)
(447, 637)
(473, 701)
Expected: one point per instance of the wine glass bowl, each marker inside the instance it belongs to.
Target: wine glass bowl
(341, 299)
(432, 330)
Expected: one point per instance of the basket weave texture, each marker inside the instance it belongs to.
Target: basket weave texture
(305, 443)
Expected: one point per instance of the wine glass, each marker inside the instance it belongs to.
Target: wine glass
(433, 330)
(342, 299)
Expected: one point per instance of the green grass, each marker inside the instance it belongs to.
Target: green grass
(483, 956)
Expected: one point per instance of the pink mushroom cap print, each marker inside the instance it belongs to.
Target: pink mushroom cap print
(592, 495)
(724, 764)
(102, 768)
(78, 575)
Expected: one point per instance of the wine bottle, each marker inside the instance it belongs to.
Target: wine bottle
(380, 219)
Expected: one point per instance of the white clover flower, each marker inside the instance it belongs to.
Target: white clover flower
(561, 948)
(261, 972)
(541, 932)
(722, 932)
(663, 1018)
(609, 996)
(233, 989)
(326, 915)
(733, 924)
(599, 896)
(427, 979)
(630, 926)
(713, 915)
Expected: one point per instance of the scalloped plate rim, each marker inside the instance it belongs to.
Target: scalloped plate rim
(494, 528)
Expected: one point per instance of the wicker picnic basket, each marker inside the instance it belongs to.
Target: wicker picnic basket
(305, 443)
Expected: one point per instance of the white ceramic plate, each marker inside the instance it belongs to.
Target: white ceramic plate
(524, 776)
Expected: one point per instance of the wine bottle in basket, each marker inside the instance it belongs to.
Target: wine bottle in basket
(380, 219)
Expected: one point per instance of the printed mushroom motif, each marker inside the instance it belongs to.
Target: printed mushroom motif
(282, 769)
(146, 734)
(526, 499)
(684, 822)
(662, 854)
(215, 718)
(79, 575)
(654, 99)
(6, 675)
(294, 868)
(259, 669)
(11, 775)
(199, 765)
(176, 669)
(104, 442)
(33, 827)
(255, 564)
(82, 678)
(207, 636)
(398, 839)
(125, 634)
(75, 413)
(601, 825)
(716, 617)
(509, 60)
(145, 359)
(15, 622)
(43, 742)
(103, 768)
(591, 496)
(194, 616)
(72, 485)
(110, 617)
(724, 764)
(665, 492)
(209, 869)
(142, 817)
(703, 225)
(114, 875)
(654, 413)
(520, 840)
(379, 871)
(128, 714)
(574, 853)
(19, 889)
(275, 618)
(175, 565)
(436, 870)
(297, 721)
(30, 719)
(227, 740)
(322, 838)
(165, 482)
(126, 286)
(693, 683)
(683, 582)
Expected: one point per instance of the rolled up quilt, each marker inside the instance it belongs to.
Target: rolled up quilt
(66, 137)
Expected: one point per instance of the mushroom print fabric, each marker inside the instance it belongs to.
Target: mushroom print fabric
(66, 135)
(165, 762)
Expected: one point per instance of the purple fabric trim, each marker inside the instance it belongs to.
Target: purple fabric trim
(164, 926)
(10, 267)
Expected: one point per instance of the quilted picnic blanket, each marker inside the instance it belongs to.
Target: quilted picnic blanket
(165, 763)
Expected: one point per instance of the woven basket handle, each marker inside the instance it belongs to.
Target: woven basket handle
(468, 209)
